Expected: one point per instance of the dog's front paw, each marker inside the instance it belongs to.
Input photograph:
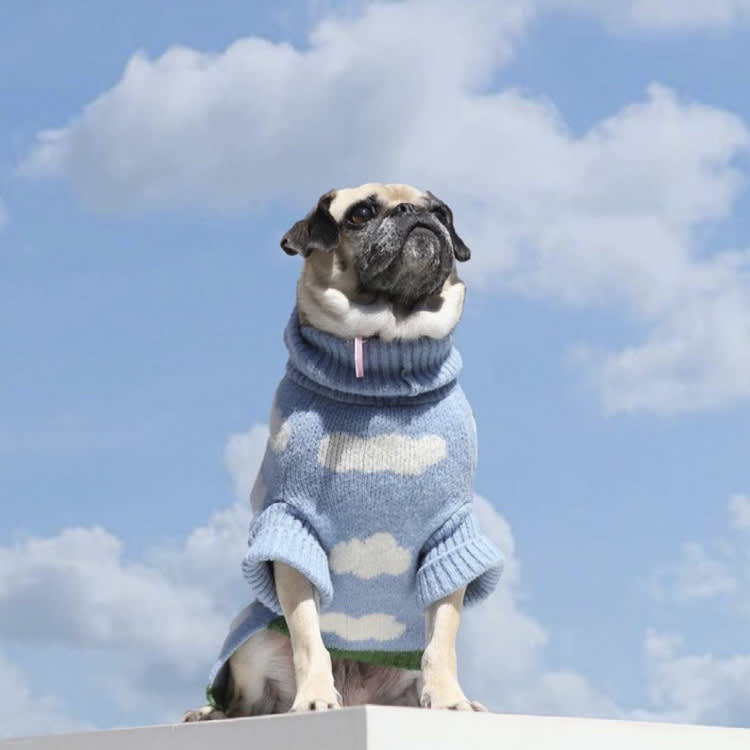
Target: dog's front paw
(204, 713)
(447, 694)
(317, 694)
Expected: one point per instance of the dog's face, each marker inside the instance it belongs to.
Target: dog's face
(388, 240)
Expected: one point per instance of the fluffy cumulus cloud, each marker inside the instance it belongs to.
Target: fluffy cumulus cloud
(613, 217)
(78, 592)
(77, 589)
(695, 688)
(262, 119)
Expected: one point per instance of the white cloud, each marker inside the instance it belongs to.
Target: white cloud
(612, 218)
(664, 15)
(690, 688)
(703, 687)
(23, 712)
(699, 575)
(379, 554)
(501, 648)
(242, 457)
(77, 589)
(501, 660)
(163, 616)
(707, 572)
(562, 694)
(274, 109)
(739, 509)
(208, 560)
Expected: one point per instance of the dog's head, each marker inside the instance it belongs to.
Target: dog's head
(393, 240)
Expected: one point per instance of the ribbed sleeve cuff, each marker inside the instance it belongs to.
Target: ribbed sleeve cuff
(278, 535)
(459, 555)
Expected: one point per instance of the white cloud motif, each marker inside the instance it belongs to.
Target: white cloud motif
(376, 627)
(379, 554)
(258, 493)
(281, 430)
(343, 452)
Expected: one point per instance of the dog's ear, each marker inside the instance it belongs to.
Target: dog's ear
(460, 248)
(317, 231)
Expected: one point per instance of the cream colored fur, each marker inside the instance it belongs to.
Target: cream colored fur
(335, 311)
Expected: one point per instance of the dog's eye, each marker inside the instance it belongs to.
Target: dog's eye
(360, 214)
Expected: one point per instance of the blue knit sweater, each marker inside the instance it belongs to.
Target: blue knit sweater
(366, 487)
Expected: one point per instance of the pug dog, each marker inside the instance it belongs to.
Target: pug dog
(378, 283)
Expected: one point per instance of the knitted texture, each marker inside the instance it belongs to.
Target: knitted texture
(366, 487)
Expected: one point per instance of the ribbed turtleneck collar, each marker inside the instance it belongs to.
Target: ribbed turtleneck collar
(393, 370)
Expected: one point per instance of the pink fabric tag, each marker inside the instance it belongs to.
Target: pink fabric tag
(359, 360)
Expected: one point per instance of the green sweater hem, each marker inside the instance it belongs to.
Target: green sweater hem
(399, 659)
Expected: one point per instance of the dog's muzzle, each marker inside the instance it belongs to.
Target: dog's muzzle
(410, 258)
(421, 249)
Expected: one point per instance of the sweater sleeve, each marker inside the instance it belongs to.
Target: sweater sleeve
(458, 555)
(279, 534)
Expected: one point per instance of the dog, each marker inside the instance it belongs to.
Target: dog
(364, 546)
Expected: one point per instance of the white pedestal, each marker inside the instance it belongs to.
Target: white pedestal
(382, 728)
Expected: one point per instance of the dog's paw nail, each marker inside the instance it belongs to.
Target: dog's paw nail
(467, 705)
(316, 705)
(204, 713)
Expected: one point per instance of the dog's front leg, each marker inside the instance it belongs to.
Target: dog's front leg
(312, 662)
(439, 663)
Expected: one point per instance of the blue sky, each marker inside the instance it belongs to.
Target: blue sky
(597, 164)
